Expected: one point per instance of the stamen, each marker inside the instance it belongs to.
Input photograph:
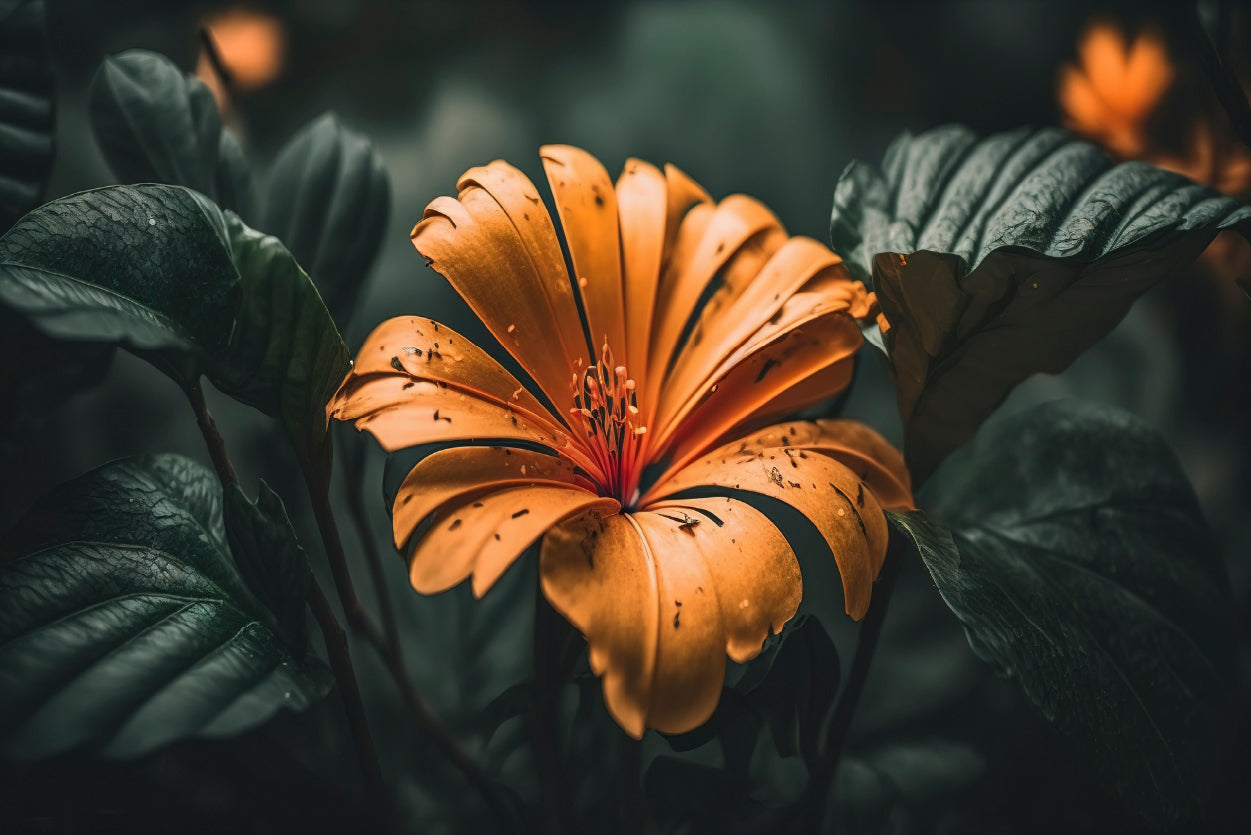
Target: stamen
(605, 409)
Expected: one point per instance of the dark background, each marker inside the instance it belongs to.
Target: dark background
(768, 98)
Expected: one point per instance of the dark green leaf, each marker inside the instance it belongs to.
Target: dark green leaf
(157, 125)
(286, 356)
(162, 271)
(932, 542)
(328, 197)
(124, 624)
(786, 693)
(997, 259)
(516, 700)
(27, 109)
(797, 694)
(146, 266)
(1085, 571)
(270, 559)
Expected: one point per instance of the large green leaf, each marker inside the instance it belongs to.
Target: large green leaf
(147, 266)
(270, 558)
(1083, 569)
(162, 271)
(1000, 258)
(327, 195)
(327, 198)
(286, 356)
(124, 624)
(27, 108)
(157, 125)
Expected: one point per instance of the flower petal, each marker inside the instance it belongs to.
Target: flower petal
(1080, 104)
(482, 537)
(824, 490)
(600, 575)
(642, 201)
(587, 205)
(683, 192)
(476, 246)
(402, 412)
(520, 200)
(1147, 75)
(755, 576)
(786, 404)
(425, 350)
(663, 595)
(450, 476)
(699, 253)
(1102, 52)
(870, 456)
(738, 315)
(651, 207)
(690, 641)
(810, 334)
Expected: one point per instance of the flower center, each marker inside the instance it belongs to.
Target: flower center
(606, 410)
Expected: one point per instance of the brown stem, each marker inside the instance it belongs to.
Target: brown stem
(360, 521)
(215, 59)
(345, 677)
(822, 771)
(212, 437)
(547, 671)
(359, 620)
(336, 641)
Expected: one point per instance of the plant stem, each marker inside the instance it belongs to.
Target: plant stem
(215, 59)
(345, 677)
(336, 641)
(353, 473)
(835, 735)
(358, 619)
(547, 671)
(212, 437)
(629, 786)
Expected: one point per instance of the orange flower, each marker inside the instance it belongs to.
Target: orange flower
(1115, 87)
(636, 479)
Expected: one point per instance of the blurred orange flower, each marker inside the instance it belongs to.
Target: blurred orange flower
(1114, 87)
(1115, 90)
(251, 47)
(636, 480)
(1124, 95)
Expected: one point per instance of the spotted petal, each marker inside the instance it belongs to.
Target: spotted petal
(829, 493)
(812, 333)
(450, 476)
(707, 240)
(662, 595)
(587, 205)
(738, 310)
(423, 349)
(481, 537)
(599, 575)
(475, 243)
(402, 412)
